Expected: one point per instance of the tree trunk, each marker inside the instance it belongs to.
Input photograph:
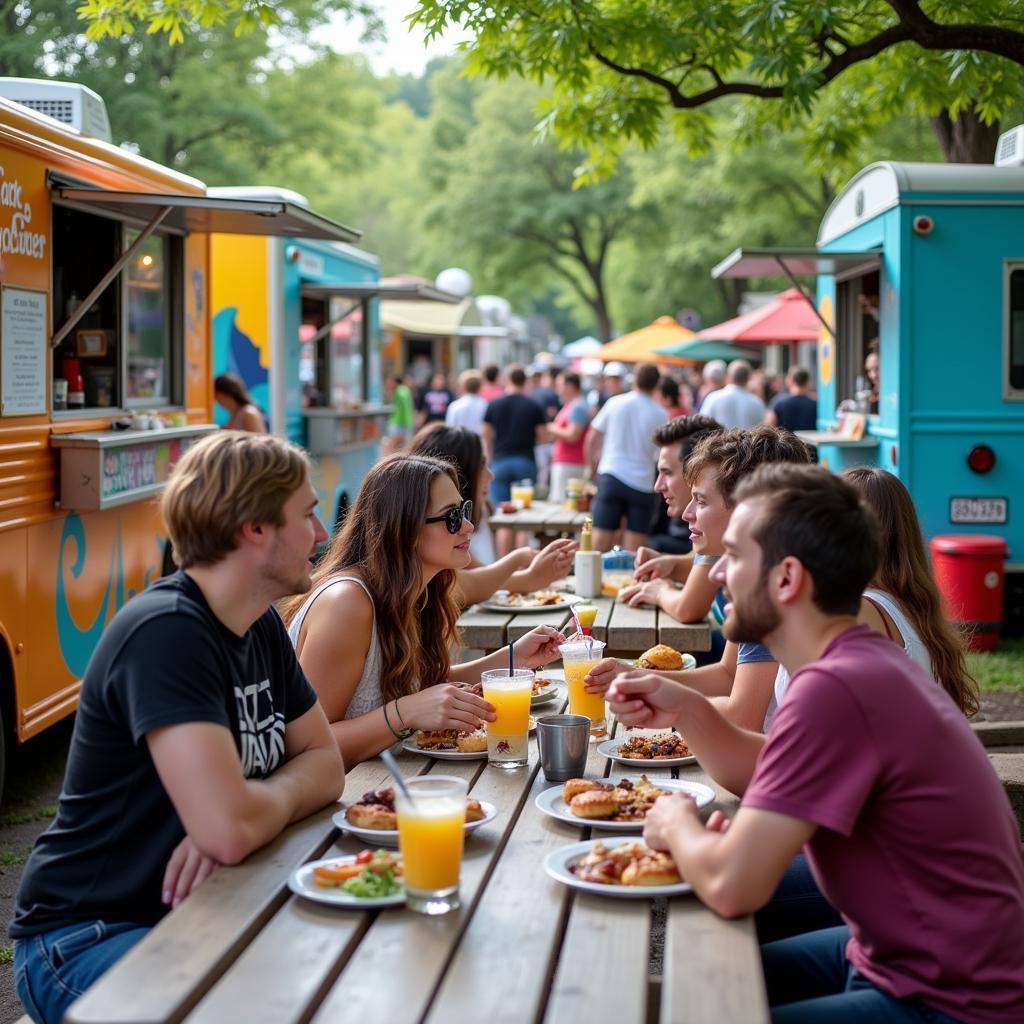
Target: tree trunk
(967, 139)
(601, 315)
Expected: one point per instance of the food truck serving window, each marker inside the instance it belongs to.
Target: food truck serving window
(1015, 331)
(126, 349)
(857, 339)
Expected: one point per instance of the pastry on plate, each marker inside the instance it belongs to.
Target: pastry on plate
(451, 740)
(574, 787)
(594, 803)
(375, 810)
(626, 864)
(661, 746)
(660, 656)
(474, 809)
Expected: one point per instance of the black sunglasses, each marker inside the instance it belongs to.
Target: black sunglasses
(454, 517)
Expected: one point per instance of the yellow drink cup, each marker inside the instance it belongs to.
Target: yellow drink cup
(578, 658)
(431, 833)
(586, 613)
(522, 494)
(509, 734)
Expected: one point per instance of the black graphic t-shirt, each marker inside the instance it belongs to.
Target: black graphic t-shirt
(165, 659)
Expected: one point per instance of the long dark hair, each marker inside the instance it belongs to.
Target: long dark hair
(460, 447)
(233, 386)
(905, 574)
(379, 543)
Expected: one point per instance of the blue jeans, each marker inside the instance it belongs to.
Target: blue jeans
(53, 969)
(797, 906)
(809, 980)
(507, 470)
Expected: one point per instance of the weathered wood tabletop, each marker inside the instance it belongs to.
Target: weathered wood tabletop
(523, 948)
(626, 631)
(542, 518)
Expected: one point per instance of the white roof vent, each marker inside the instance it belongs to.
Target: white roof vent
(1010, 148)
(67, 102)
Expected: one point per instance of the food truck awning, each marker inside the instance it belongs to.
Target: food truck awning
(437, 319)
(211, 214)
(808, 262)
(393, 291)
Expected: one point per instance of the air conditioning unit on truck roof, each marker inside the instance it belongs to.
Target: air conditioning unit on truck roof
(1010, 148)
(67, 102)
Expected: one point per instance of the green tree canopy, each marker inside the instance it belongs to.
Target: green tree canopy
(619, 69)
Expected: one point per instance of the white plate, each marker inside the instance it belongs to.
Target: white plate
(301, 883)
(556, 864)
(444, 755)
(552, 804)
(496, 606)
(453, 755)
(545, 696)
(389, 836)
(610, 749)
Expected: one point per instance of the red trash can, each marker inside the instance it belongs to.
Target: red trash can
(969, 571)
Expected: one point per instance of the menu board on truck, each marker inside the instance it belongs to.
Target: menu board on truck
(25, 352)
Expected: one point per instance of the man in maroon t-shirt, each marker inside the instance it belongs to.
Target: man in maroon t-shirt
(869, 767)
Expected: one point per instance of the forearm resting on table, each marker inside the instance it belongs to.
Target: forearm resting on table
(736, 872)
(366, 736)
(227, 815)
(478, 584)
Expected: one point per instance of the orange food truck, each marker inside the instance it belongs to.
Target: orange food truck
(104, 381)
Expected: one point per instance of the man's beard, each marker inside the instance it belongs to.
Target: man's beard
(752, 623)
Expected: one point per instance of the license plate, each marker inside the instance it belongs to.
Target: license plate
(978, 510)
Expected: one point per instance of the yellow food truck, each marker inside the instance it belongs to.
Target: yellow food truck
(104, 381)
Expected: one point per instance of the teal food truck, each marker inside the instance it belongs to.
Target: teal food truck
(297, 320)
(920, 271)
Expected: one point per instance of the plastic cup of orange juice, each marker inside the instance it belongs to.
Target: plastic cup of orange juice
(522, 493)
(578, 658)
(508, 735)
(431, 832)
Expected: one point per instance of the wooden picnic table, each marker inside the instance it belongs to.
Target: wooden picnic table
(543, 518)
(627, 631)
(523, 948)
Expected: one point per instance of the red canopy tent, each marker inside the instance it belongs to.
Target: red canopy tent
(788, 318)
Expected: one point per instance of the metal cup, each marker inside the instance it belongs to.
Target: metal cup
(564, 745)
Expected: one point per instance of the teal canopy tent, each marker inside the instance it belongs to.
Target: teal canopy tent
(701, 351)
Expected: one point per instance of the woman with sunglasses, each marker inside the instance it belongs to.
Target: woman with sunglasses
(521, 570)
(374, 633)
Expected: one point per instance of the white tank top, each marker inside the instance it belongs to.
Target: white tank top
(369, 693)
(913, 647)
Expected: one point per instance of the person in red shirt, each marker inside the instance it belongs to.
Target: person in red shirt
(569, 429)
(869, 767)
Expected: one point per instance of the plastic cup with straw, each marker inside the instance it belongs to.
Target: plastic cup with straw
(509, 691)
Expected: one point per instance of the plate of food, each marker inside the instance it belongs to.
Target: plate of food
(545, 690)
(534, 601)
(450, 745)
(624, 868)
(665, 658)
(372, 817)
(648, 748)
(617, 806)
(370, 878)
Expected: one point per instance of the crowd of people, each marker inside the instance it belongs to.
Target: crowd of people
(874, 842)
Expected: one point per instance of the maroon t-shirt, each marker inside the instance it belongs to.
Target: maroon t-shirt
(916, 846)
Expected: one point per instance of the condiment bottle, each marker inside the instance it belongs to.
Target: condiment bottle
(72, 369)
(588, 563)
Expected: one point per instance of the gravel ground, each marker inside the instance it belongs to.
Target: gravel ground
(34, 777)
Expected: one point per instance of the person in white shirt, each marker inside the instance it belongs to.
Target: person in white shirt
(734, 406)
(468, 410)
(619, 442)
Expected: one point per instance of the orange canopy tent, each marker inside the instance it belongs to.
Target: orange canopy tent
(641, 346)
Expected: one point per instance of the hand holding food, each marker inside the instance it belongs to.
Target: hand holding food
(645, 699)
(666, 818)
(600, 677)
(538, 647)
(445, 706)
